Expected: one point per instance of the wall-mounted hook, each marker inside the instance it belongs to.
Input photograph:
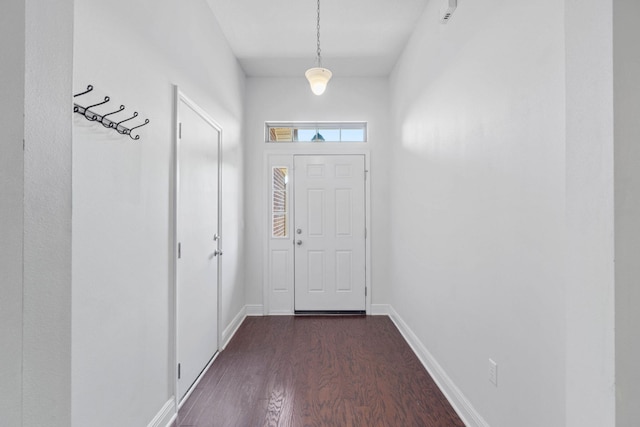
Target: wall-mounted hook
(136, 127)
(110, 124)
(76, 109)
(95, 116)
(89, 89)
(124, 130)
(105, 119)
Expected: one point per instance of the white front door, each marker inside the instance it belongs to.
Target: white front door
(197, 236)
(329, 233)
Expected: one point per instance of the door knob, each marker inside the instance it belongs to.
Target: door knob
(299, 242)
(217, 252)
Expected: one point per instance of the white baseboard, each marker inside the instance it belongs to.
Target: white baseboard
(254, 310)
(231, 329)
(379, 309)
(165, 416)
(460, 403)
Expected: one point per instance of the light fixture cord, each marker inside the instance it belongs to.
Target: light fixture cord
(319, 58)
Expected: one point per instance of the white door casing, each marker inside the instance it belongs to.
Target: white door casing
(330, 232)
(197, 242)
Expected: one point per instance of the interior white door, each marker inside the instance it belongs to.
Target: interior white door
(198, 243)
(329, 217)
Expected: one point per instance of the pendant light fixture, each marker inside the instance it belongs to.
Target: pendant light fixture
(318, 77)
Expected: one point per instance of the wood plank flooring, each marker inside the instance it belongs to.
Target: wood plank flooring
(317, 371)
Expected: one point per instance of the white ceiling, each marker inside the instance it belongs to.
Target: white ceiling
(278, 37)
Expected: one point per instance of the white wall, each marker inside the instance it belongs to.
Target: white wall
(477, 236)
(12, 44)
(626, 68)
(590, 387)
(291, 99)
(134, 52)
(46, 377)
(35, 207)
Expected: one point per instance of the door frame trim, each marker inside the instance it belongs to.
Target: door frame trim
(179, 96)
(325, 149)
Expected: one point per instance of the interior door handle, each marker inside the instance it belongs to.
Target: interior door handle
(299, 242)
(217, 252)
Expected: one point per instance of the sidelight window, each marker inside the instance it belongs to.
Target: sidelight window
(280, 202)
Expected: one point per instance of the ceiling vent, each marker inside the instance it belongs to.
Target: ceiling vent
(447, 9)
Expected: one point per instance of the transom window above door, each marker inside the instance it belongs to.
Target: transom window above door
(315, 132)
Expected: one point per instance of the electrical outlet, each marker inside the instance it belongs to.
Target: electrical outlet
(493, 372)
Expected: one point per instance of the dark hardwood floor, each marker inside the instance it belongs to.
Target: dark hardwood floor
(317, 371)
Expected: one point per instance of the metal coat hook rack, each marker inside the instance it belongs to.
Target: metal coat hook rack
(107, 120)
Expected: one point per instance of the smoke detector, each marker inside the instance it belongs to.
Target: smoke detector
(447, 9)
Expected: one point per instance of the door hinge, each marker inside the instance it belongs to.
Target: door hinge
(179, 250)
(179, 130)
(365, 232)
(365, 174)
(365, 291)
(178, 371)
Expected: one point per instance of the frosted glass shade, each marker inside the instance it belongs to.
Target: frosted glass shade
(318, 79)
